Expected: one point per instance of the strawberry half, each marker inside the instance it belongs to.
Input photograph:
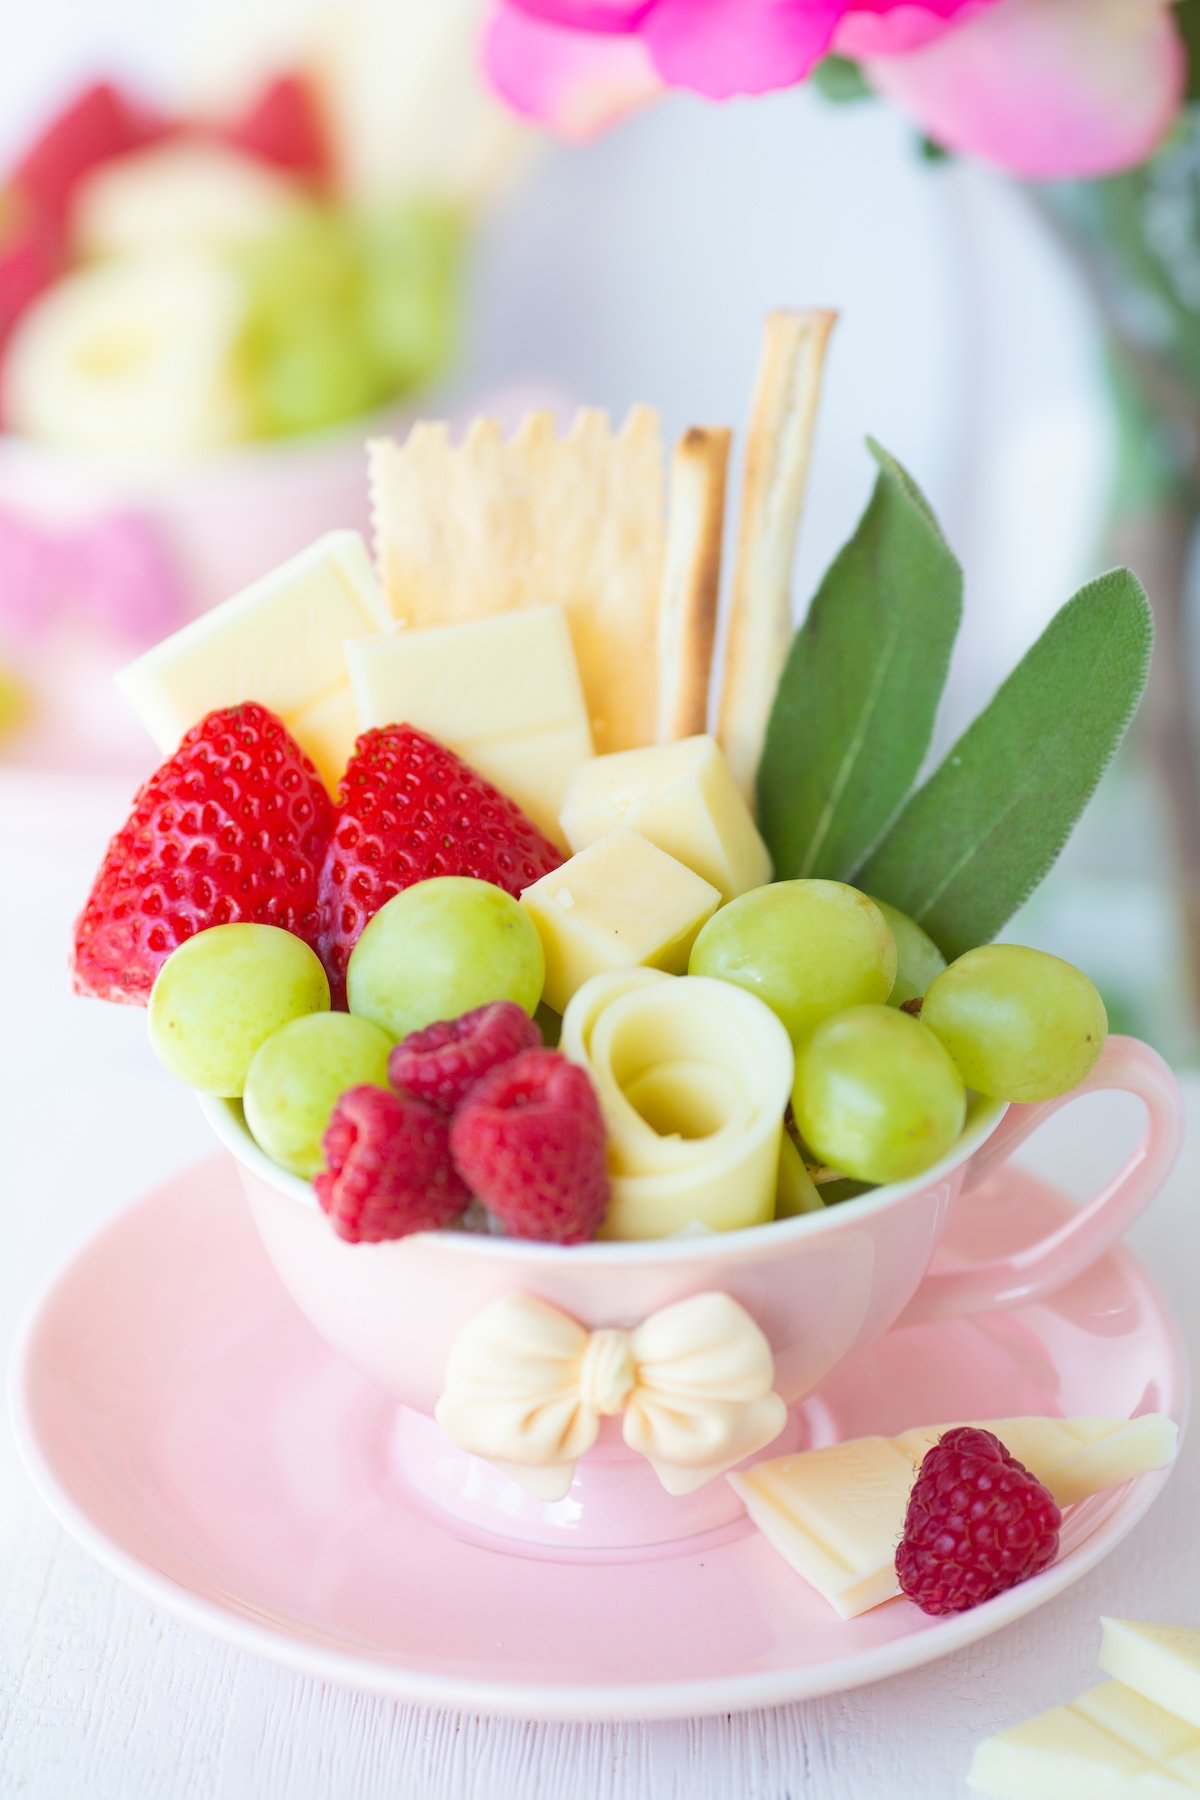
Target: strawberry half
(98, 123)
(410, 809)
(283, 126)
(230, 829)
(31, 256)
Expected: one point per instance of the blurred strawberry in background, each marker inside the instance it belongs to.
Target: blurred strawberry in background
(277, 255)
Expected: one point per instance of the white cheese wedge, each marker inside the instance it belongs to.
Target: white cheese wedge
(1110, 1744)
(503, 693)
(682, 797)
(1162, 1662)
(278, 642)
(622, 904)
(837, 1514)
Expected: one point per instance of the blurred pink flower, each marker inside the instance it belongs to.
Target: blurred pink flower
(1045, 88)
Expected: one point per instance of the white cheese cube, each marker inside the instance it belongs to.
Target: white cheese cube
(621, 904)
(682, 797)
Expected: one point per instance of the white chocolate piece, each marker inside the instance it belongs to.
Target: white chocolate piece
(1110, 1744)
(837, 1514)
(683, 798)
(622, 904)
(693, 1077)
(1078, 1457)
(278, 642)
(1161, 1662)
(503, 693)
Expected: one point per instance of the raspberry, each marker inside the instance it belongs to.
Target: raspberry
(442, 1063)
(231, 829)
(388, 1171)
(529, 1139)
(410, 810)
(977, 1523)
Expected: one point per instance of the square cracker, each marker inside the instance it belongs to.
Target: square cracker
(464, 531)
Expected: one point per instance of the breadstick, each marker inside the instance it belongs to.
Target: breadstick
(778, 450)
(687, 625)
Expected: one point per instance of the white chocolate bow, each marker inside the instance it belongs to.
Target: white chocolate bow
(526, 1387)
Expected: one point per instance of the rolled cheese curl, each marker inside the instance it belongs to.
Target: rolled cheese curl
(693, 1076)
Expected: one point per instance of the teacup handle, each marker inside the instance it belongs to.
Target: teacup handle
(1125, 1066)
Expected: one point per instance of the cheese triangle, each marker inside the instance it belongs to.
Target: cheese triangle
(1161, 1662)
(1109, 1744)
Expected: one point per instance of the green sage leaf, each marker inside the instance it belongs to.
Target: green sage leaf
(977, 838)
(855, 708)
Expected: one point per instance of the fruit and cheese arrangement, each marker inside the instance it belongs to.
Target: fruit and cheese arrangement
(489, 902)
(176, 281)
(447, 880)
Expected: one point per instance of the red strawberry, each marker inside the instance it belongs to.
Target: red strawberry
(410, 810)
(388, 1170)
(99, 123)
(442, 1063)
(977, 1524)
(31, 256)
(230, 829)
(529, 1141)
(283, 127)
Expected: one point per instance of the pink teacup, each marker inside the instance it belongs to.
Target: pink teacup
(821, 1287)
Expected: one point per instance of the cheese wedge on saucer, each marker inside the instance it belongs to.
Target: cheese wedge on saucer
(837, 1514)
(1109, 1744)
(1161, 1662)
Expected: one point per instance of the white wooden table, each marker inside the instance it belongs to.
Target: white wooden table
(102, 1696)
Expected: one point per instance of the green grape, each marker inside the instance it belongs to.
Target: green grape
(1021, 1025)
(312, 261)
(297, 1077)
(876, 1096)
(441, 948)
(222, 994)
(412, 258)
(306, 356)
(918, 959)
(807, 948)
(312, 377)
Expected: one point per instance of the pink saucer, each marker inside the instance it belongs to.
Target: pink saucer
(188, 1426)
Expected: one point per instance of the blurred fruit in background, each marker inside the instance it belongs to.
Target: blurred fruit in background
(278, 256)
